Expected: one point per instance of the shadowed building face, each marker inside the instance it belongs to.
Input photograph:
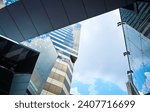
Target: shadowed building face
(14, 64)
(22, 20)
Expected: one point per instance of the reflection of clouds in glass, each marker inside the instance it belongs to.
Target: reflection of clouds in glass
(39, 43)
(8, 2)
(47, 52)
(141, 93)
(136, 64)
(139, 47)
(146, 85)
(45, 60)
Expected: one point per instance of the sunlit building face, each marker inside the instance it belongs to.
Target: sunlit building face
(137, 35)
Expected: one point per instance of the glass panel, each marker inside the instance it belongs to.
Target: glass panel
(139, 48)
(45, 62)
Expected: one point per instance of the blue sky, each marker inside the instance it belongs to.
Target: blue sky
(101, 67)
(140, 76)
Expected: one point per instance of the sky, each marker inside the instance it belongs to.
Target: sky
(101, 67)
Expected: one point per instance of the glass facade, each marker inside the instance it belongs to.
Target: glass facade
(5, 80)
(67, 39)
(138, 17)
(139, 47)
(44, 64)
(16, 66)
(20, 84)
(4, 3)
(136, 26)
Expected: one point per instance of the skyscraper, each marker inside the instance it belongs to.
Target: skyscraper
(66, 42)
(138, 17)
(136, 26)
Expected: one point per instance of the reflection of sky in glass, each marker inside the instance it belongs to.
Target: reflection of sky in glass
(8, 2)
(45, 61)
(139, 47)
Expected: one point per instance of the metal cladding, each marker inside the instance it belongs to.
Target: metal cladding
(26, 19)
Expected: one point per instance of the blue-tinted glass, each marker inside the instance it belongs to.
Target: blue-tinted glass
(45, 61)
(8, 2)
(139, 47)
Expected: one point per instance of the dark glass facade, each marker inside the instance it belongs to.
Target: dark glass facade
(5, 80)
(15, 72)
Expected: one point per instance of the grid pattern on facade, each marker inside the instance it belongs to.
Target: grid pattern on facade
(139, 19)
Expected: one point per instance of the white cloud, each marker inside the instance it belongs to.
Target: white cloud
(1, 4)
(92, 90)
(101, 52)
(74, 91)
(146, 85)
(141, 93)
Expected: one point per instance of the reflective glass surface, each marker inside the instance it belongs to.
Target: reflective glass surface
(8, 2)
(139, 47)
(138, 17)
(17, 57)
(44, 63)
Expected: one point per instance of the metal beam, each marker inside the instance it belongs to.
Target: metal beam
(26, 19)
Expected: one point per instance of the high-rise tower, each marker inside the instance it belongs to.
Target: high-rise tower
(66, 42)
(138, 17)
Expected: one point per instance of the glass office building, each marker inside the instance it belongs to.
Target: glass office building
(44, 64)
(66, 42)
(136, 26)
